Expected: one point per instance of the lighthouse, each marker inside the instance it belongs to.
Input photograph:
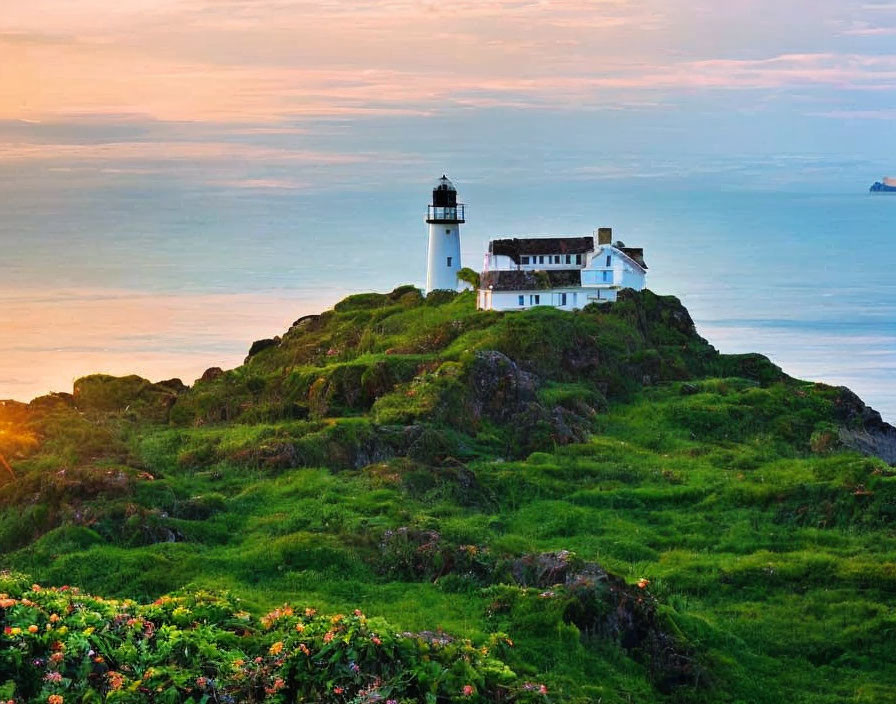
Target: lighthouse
(444, 217)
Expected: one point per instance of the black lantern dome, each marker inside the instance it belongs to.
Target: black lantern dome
(444, 194)
(445, 208)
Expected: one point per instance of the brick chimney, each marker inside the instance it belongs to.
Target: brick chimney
(605, 235)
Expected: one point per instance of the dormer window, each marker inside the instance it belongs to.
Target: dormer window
(609, 259)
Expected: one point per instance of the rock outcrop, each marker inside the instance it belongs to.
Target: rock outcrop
(862, 428)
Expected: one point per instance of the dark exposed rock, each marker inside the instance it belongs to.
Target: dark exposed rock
(863, 429)
(261, 345)
(211, 374)
(500, 389)
(689, 389)
(603, 606)
(175, 385)
(305, 321)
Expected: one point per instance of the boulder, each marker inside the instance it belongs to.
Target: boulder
(261, 345)
(211, 374)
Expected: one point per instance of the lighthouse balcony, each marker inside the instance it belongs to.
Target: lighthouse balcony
(445, 213)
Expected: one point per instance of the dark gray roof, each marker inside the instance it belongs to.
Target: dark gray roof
(636, 253)
(524, 280)
(514, 247)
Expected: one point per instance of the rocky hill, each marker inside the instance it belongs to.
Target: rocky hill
(644, 518)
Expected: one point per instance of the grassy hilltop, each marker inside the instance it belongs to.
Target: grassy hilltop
(530, 506)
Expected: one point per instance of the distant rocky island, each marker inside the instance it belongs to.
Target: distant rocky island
(888, 185)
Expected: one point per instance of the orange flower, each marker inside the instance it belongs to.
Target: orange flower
(276, 648)
(116, 680)
(33, 629)
(300, 627)
(55, 699)
(6, 603)
(328, 636)
(642, 583)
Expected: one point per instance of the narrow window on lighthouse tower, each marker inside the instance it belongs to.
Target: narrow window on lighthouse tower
(449, 261)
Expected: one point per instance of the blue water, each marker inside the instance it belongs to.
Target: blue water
(135, 275)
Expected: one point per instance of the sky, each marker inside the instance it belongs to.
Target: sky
(159, 157)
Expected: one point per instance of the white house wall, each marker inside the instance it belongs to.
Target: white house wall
(509, 300)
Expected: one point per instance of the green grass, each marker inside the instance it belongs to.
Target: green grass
(775, 562)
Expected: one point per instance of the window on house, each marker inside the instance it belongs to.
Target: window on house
(574, 297)
(524, 260)
(447, 231)
(578, 261)
(541, 259)
(568, 258)
(449, 261)
(607, 276)
(562, 299)
(609, 259)
(534, 300)
(522, 300)
(557, 259)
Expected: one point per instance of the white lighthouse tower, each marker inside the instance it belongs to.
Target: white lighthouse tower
(444, 217)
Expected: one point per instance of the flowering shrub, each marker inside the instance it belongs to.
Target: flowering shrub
(60, 645)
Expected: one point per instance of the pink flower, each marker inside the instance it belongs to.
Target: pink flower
(468, 690)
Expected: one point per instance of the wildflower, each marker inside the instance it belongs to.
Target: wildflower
(14, 631)
(276, 648)
(542, 689)
(358, 613)
(337, 618)
(353, 666)
(279, 684)
(468, 690)
(33, 629)
(309, 612)
(55, 699)
(53, 677)
(6, 603)
(239, 662)
(376, 640)
(116, 680)
(300, 627)
(642, 583)
(328, 636)
(56, 657)
(35, 587)
(304, 649)
(338, 690)
(201, 682)
(54, 618)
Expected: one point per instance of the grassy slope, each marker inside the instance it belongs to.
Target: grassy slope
(777, 563)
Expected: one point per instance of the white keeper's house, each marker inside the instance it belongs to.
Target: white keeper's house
(523, 272)
(564, 272)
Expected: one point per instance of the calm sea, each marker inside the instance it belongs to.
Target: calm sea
(168, 281)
